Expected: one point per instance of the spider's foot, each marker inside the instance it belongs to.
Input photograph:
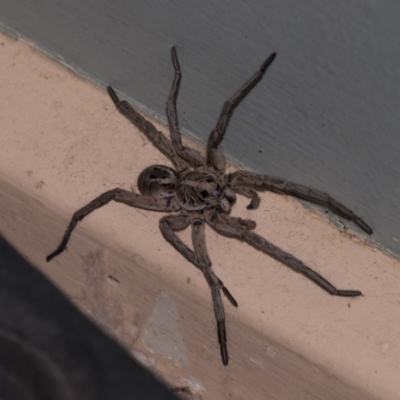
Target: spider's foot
(267, 62)
(222, 342)
(228, 295)
(113, 95)
(53, 254)
(224, 355)
(348, 293)
(365, 227)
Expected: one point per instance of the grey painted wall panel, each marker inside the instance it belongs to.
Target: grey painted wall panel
(326, 114)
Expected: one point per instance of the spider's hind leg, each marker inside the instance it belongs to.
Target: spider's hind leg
(199, 244)
(98, 202)
(228, 226)
(200, 259)
(119, 195)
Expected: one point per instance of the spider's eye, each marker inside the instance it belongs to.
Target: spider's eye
(204, 194)
(216, 192)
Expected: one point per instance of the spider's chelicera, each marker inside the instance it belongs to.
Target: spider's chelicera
(198, 191)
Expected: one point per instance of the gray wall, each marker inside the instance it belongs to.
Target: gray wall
(326, 114)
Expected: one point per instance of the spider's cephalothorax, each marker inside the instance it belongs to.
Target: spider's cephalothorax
(193, 190)
(198, 190)
(201, 189)
(201, 192)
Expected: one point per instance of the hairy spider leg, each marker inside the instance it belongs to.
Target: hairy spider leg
(159, 140)
(265, 182)
(230, 226)
(191, 156)
(121, 196)
(200, 259)
(215, 158)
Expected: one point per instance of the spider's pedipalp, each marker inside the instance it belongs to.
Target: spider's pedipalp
(265, 182)
(251, 194)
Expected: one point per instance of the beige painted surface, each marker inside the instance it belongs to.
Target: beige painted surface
(62, 143)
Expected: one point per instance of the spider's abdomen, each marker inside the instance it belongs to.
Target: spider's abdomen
(158, 181)
(198, 190)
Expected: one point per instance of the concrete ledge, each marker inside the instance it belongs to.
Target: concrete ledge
(63, 143)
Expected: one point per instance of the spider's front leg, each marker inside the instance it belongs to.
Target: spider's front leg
(200, 259)
(215, 158)
(119, 195)
(232, 227)
(240, 179)
(191, 156)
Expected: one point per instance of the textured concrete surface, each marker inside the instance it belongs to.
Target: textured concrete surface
(63, 143)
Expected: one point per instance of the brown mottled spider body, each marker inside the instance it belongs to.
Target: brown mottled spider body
(200, 192)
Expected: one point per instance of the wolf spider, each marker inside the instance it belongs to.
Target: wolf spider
(201, 193)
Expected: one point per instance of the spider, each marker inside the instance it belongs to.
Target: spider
(199, 191)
